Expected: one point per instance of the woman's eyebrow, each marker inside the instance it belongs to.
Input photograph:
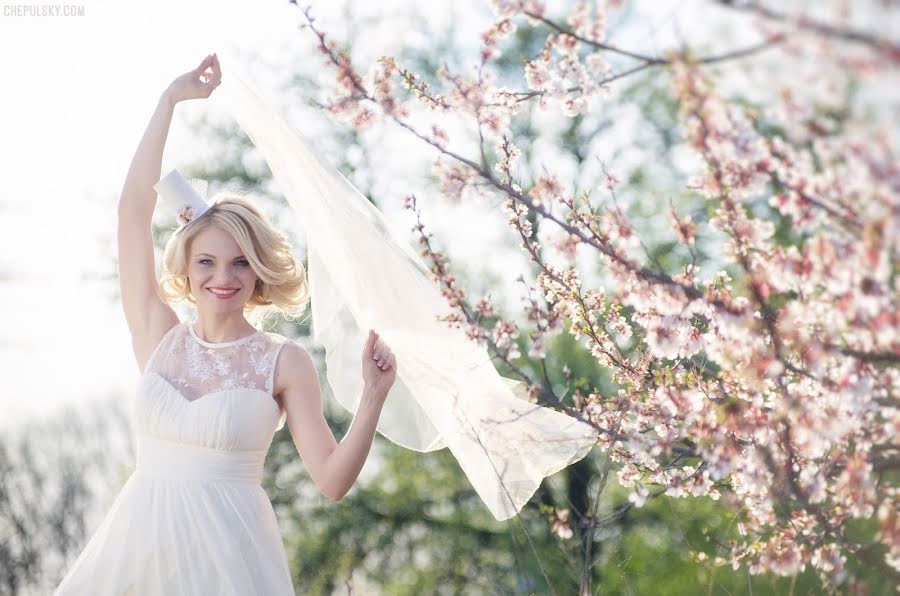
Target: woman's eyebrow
(206, 254)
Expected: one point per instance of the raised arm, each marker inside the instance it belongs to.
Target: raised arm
(147, 315)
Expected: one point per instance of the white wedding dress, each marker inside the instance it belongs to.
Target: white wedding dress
(193, 519)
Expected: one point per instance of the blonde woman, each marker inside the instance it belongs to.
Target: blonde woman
(193, 518)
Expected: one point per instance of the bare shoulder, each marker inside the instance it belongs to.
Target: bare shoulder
(294, 364)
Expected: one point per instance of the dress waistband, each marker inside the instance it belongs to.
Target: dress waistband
(172, 459)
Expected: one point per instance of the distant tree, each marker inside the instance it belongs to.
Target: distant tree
(57, 479)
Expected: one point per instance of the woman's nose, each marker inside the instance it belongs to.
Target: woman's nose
(224, 277)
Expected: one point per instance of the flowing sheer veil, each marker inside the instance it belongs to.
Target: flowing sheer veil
(447, 393)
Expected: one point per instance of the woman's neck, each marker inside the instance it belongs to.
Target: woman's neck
(221, 329)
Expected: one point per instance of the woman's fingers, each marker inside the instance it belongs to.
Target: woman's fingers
(370, 343)
(380, 352)
(199, 82)
(377, 348)
(216, 74)
(211, 80)
(384, 357)
(211, 63)
(204, 64)
(390, 361)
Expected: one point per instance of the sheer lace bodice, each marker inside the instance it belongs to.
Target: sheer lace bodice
(197, 370)
(196, 367)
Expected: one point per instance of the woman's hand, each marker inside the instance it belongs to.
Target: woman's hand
(379, 366)
(197, 83)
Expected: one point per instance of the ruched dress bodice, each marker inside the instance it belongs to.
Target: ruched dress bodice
(193, 518)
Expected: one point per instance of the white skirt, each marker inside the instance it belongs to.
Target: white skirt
(189, 521)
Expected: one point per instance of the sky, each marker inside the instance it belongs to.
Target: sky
(77, 94)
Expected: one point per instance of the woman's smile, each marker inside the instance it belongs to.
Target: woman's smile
(222, 294)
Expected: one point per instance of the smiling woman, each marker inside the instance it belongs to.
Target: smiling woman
(193, 518)
(234, 246)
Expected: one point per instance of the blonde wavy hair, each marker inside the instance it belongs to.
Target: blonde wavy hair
(282, 285)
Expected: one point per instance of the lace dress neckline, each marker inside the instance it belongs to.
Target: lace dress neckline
(221, 344)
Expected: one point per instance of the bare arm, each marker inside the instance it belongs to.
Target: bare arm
(138, 194)
(346, 461)
(145, 310)
(333, 466)
(147, 315)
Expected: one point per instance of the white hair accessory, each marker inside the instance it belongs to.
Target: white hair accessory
(182, 197)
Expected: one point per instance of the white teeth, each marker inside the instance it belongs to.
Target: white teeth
(221, 293)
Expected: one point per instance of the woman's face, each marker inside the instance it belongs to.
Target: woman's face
(216, 263)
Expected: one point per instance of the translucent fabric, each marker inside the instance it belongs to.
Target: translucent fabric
(193, 518)
(447, 393)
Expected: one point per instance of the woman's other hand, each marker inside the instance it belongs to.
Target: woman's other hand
(379, 366)
(198, 83)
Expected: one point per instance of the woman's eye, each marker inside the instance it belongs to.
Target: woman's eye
(241, 262)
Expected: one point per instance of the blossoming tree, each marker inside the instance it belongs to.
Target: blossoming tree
(772, 383)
